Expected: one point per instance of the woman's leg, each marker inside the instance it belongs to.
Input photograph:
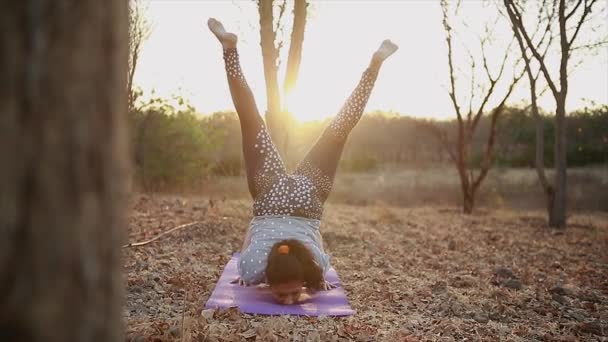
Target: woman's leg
(321, 162)
(262, 160)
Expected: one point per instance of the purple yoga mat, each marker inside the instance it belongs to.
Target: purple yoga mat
(259, 300)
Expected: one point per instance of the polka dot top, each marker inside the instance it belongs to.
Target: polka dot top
(266, 231)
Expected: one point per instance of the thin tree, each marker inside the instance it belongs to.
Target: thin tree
(531, 49)
(468, 116)
(64, 169)
(139, 31)
(295, 50)
(277, 113)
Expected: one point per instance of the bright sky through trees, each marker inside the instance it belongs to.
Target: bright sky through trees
(183, 57)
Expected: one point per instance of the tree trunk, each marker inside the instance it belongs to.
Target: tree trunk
(468, 202)
(550, 195)
(291, 75)
(270, 55)
(466, 183)
(295, 49)
(539, 160)
(64, 169)
(130, 75)
(557, 216)
(279, 120)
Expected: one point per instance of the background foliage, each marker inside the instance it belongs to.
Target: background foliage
(176, 148)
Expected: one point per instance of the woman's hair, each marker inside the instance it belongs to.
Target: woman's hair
(294, 262)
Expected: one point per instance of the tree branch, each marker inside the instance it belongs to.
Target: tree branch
(282, 8)
(488, 155)
(442, 138)
(539, 160)
(139, 31)
(590, 46)
(586, 12)
(493, 82)
(517, 23)
(448, 31)
(143, 243)
(295, 48)
(472, 95)
(485, 61)
(574, 9)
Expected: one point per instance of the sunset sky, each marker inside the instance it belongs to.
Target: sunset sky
(183, 57)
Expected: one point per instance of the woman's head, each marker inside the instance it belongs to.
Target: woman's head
(291, 266)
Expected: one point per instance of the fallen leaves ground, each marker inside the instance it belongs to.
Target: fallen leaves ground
(411, 273)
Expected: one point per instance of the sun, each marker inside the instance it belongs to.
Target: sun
(304, 107)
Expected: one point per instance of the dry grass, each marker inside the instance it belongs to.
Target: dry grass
(513, 189)
(425, 273)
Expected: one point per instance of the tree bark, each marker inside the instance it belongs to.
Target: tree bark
(468, 201)
(291, 74)
(461, 165)
(295, 49)
(130, 76)
(63, 178)
(270, 55)
(557, 216)
(279, 118)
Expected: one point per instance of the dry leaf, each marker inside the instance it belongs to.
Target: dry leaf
(249, 333)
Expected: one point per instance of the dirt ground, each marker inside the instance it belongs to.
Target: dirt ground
(410, 273)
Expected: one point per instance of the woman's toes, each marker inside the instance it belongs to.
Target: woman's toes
(226, 38)
(386, 49)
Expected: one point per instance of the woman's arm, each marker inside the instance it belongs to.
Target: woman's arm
(325, 285)
(247, 241)
(321, 243)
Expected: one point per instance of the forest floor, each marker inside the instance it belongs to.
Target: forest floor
(410, 273)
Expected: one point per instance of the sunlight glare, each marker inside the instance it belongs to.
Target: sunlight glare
(182, 54)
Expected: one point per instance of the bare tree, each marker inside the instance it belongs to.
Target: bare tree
(277, 113)
(139, 32)
(531, 49)
(468, 116)
(295, 49)
(63, 178)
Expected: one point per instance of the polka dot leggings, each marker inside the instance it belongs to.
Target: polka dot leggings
(274, 190)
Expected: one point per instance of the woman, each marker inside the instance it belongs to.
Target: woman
(283, 246)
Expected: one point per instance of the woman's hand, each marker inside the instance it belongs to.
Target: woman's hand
(326, 286)
(240, 281)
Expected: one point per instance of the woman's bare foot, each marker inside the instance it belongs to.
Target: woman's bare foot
(386, 49)
(227, 39)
